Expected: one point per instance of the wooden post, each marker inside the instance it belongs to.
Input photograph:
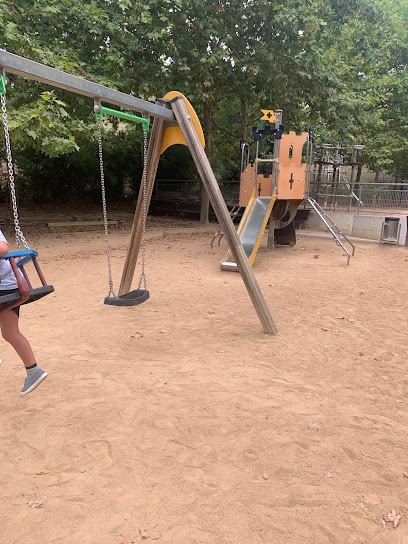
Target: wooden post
(152, 162)
(353, 168)
(319, 174)
(223, 216)
(275, 174)
(335, 175)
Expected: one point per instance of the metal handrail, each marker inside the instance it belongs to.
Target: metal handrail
(321, 213)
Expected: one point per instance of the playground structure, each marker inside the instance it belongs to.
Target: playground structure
(174, 122)
(335, 176)
(273, 197)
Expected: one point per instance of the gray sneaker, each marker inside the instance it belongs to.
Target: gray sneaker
(34, 381)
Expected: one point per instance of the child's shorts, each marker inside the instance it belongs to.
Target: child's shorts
(16, 310)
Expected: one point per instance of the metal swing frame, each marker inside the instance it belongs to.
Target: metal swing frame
(26, 293)
(139, 295)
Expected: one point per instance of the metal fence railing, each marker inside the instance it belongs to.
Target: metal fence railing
(362, 197)
(359, 198)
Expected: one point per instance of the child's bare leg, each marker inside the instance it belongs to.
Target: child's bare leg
(11, 333)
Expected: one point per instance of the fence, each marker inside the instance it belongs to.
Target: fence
(362, 197)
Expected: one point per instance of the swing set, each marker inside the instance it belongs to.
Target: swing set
(138, 295)
(175, 122)
(18, 259)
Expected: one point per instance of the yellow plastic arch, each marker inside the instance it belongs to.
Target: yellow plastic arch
(174, 135)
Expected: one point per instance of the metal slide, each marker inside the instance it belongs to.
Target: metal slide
(251, 228)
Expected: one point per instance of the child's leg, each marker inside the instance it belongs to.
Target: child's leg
(11, 333)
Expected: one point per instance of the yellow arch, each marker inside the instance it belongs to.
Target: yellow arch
(174, 135)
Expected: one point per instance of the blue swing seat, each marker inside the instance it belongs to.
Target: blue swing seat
(24, 257)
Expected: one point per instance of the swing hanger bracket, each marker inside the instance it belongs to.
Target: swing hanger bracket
(101, 110)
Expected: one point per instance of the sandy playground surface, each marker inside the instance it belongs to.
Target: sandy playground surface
(180, 421)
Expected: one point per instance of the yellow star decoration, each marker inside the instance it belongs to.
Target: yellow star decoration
(269, 115)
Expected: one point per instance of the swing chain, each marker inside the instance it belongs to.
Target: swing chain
(19, 233)
(105, 213)
(144, 179)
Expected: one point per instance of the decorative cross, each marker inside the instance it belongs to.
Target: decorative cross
(291, 181)
(268, 115)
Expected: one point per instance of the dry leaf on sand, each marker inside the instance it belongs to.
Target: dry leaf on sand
(393, 517)
(36, 504)
(151, 533)
(314, 426)
(126, 539)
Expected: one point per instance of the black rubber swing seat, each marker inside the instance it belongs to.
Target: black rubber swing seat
(35, 294)
(133, 298)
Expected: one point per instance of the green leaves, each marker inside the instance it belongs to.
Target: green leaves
(46, 126)
(333, 65)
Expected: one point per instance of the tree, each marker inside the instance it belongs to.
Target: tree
(333, 65)
(85, 39)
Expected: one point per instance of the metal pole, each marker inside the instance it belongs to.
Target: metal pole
(276, 149)
(359, 200)
(256, 164)
(39, 72)
(275, 174)
(307, 165)
(353, 168)
(319, 173)
(310, 163)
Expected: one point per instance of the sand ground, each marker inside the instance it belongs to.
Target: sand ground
(180, 421)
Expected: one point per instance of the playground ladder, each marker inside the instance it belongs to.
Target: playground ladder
(335, 231)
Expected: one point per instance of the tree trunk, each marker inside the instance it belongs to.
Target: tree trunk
(243, 121)
(377, 172)
(205, 200)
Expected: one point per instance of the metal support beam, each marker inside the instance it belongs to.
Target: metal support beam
(275, 175)
(39, 72)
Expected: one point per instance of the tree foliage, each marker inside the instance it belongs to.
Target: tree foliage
(336, 66)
